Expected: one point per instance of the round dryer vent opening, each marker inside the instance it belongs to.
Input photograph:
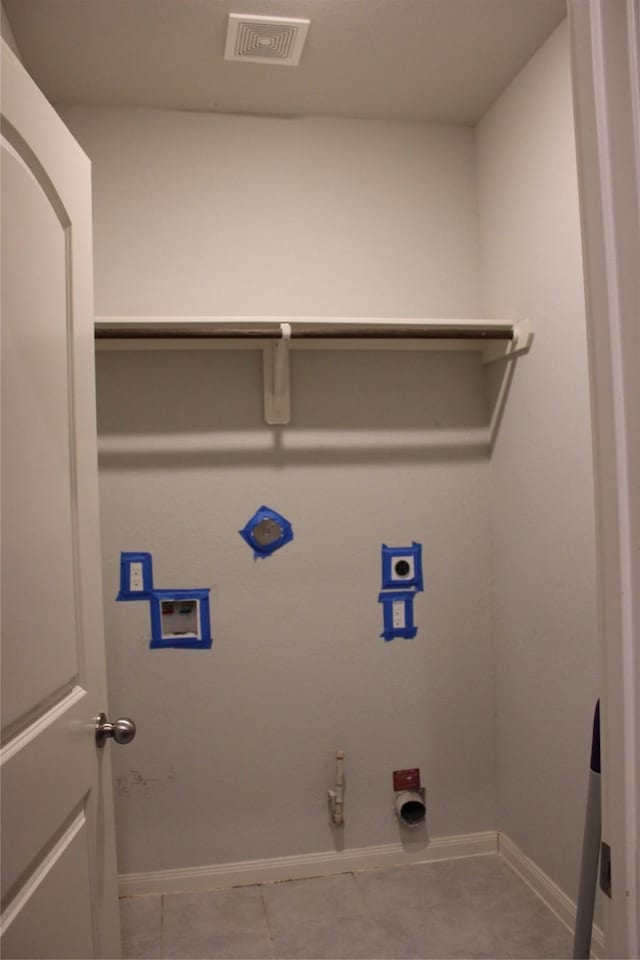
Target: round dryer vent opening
(277, 40)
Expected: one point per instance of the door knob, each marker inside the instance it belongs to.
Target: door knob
(122, 731)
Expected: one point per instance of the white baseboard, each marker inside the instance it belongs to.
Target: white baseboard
(556, 899)
(306, 865)
(325, 863)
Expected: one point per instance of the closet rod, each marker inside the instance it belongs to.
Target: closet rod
(106, 330)
(275, 336)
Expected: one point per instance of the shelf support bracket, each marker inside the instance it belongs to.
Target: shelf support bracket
(275, 373)
(522, 336)
(506, 350)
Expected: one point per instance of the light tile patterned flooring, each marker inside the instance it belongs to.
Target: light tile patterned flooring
(469, 908)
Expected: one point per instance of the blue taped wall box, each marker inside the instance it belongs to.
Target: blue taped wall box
(402, 567)
(401, 580)
(136, 576)
(397, 608)
(180, 618)
(266, 531)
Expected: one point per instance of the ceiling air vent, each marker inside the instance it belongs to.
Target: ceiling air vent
(265, 39)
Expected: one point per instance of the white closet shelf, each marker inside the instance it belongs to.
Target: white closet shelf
(275, 336)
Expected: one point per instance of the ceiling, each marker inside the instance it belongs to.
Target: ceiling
(432, 60)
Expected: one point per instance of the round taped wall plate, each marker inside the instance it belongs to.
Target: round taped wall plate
(266, 531)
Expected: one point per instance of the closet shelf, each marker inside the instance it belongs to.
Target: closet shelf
(276, 336)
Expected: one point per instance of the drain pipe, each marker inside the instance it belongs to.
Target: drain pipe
(410, 804)
(336, 797)
(411, 807)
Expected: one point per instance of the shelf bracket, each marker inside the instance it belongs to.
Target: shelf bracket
(275, 374)
(519, 344)
(522, 336)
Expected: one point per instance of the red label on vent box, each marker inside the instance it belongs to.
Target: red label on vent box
(406, 779)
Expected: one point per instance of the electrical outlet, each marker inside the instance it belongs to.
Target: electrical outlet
(399, 614)
(136, 581)
(136, 576)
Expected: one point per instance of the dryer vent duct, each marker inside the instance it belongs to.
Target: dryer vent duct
(277, 40)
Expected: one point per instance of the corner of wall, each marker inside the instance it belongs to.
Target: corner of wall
(542, 487)
(7, 33)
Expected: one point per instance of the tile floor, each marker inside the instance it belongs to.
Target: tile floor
(476, 907)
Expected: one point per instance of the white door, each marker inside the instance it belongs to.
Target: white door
(59, 895)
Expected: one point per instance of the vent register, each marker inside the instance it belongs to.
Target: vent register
(276, 40)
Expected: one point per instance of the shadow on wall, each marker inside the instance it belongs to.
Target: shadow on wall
(163, 409)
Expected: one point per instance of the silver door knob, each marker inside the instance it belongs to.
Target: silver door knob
(122, 731)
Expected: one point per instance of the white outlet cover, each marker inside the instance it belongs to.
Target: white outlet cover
(136, 579)
(136, 576)
(399, 614)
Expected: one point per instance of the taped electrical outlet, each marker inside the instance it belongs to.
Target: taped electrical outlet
(136, 576)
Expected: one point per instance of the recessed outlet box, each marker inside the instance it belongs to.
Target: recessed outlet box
(406, 779)
(180, 618)
(402, 567)
(136, 576)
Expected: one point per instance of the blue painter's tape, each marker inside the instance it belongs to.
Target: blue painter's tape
(180, 619)
(397, 607)
(136, 576)
(266, 531)
(402, 567)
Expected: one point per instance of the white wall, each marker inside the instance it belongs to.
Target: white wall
(214, 215)
(541, 480)
(235, 747)
(205, 214)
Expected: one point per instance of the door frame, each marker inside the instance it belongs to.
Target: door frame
(605, 52)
